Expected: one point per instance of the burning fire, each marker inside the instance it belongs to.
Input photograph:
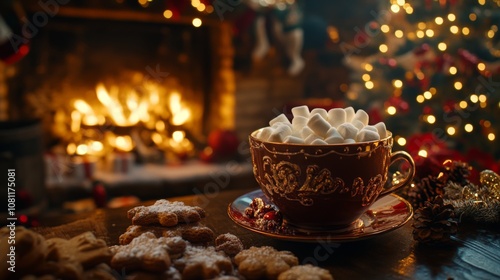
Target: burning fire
(130, 110)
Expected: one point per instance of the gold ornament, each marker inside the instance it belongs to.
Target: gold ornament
(491, 181)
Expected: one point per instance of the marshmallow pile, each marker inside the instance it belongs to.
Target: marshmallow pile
(321, 127)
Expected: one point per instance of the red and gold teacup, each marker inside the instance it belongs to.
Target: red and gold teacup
(326, 186)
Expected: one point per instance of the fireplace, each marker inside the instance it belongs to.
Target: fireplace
(120, 83)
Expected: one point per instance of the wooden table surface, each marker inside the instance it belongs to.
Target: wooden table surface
(393, 255)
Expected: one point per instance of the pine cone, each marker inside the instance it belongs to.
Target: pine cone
(456, 171)
(434, 223)
(425, 190)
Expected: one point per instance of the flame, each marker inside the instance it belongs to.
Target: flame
(124, 143)
(83, 107)
(76, 118)
(180, 114)
(114, 107)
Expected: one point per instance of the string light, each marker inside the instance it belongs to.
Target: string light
(391, 110)
(439, 20)
(451, 17)
(474, 98)
(168, 14)
(465, 31)
(429, 33)
(490, 34)
(482, 98)
(454, 29)
(383, 48)
(481, 2)
(409, 10)
(491, 136)
(369, 84)
(420, 98)
(451, 130)
(197, 22)
(468, 127)
(458, 85)
(201, 7)
(431, 119)
(442, 46)
(486, 123)
(385, 28)
(421, 25)
(401, 141)
(453, 70)
(427, 95)
(462, 104)
(366, 77)
(398, 33)
(397, 83)
(368, 67)
(400, 2)
(420, 34)
(395, 8)
(472, 17)
(422, 153)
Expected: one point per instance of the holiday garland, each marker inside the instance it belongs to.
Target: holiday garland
(448, 198)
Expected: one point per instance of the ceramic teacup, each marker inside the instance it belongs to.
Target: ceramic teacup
(326, 186)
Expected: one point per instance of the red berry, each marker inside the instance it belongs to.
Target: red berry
(271, 215)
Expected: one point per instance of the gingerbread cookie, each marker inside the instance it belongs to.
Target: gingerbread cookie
(30, 250)
(147, 252)
(203, 263)
(305, 272)
(170, 274)
(229, 244)
(84, 248)
(165, 213)
(264, 262)
(68, 259)
(194, 233)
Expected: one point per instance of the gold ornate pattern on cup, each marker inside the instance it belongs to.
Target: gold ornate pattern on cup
(282, 178)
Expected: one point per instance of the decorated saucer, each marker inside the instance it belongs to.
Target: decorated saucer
(386, 214)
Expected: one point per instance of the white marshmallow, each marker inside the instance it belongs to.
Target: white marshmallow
(371, 127)
(366, 135)
(309, 139)
(298, 123)
(302, 111)
(293, 140)
(305, 132)
(318, 124)
(361, 116)
(334, 140)
(347, 130)
(264, 133)
(349, 141)
(279, 119)
(349, 114)
(332, 132)
(382, 131)
(359, 125)
(279, 133)
(319, 142)
(320, 111)
(336, 116)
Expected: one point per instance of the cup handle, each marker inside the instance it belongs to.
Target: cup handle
(397, 156)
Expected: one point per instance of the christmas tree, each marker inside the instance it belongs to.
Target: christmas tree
(431, 71)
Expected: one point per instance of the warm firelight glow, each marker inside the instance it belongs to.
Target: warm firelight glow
(124, 143)
(180, 113)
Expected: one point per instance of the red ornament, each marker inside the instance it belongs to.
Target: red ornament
(223, 142)
(99, 195)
